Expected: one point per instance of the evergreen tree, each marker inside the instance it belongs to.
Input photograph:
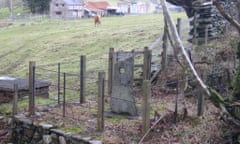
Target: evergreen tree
(38, 6)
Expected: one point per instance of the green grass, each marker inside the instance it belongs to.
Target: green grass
(6, 108)
(52, 41)
(18, 12)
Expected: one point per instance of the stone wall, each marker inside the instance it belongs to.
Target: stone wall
(25, 131)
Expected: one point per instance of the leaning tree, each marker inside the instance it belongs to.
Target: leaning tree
(231, 108)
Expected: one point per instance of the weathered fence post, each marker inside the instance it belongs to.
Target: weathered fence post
(31, 88)
(82, 78)
(164, 46)
(146, 105)
(111, 63)
(101, 84)
(201, 99)
(64, 94)
(147, 64)
(195, 40)
(176, 103)
(179, 26)
(206, 36)
(15, 99)
(59, 81)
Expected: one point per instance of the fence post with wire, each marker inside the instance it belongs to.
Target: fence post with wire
(31, 87)
(101, 88)
(82, 79)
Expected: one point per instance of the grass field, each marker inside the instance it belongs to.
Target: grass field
(50, 41)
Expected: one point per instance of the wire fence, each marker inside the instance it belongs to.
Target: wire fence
(70, 81)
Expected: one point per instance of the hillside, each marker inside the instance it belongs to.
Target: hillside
(49, 41)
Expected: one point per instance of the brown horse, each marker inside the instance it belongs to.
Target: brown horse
(97, 20)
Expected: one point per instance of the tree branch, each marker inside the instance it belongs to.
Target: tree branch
(226, 16)
(162, 116)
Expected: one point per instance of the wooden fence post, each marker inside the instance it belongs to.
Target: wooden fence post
(15, 99)
(146, 107)
(147, 64)
(176, 103)
(164, 46)
(64, 94)
(179, 26)
(100, 117)
(59, 81)
(201, 101)
(82, 79)
(111, 63)
(195, 40)
(206, 36)
(31, 88)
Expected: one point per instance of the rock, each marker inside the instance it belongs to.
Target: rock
(47, 139)
(87, 138)
(57, 131)
(62, 140)
(1, 118)
(9, 121)
(38, 114)
(95, 142)
(122, 99)
(46, 126)
(26, 121)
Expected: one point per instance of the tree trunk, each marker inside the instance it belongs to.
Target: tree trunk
(238, 7)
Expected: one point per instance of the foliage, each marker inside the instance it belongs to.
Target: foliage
(216, 98)
(6, 108)
(72, 130)
(4, 13)
(19, 11)
(38, 6)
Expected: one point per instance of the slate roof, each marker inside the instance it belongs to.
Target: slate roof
(6, 83)
(73, 2)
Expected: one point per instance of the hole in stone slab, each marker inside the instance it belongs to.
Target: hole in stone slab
(122, 70)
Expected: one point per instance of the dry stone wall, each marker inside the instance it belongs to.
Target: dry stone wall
(25, 131)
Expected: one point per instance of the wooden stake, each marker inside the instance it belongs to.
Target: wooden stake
(147, 64)
(146, 105)
(15, 99)
(110, 70)
(31, 107)
(59, 81)
(101, 87)
(201, 102)
(82, 79)
(64, 94)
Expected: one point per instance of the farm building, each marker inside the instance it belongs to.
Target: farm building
(99, 8)
(136, 8)
(66, 9)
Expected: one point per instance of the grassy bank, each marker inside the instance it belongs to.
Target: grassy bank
(49, 41)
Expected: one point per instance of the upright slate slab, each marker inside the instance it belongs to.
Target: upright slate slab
(122, 98)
